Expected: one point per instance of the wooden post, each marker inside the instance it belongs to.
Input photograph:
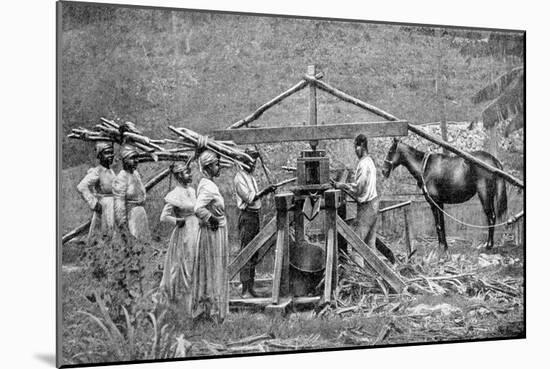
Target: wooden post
(332, 202)
(299, 232)
(312, 104)
(407, 231)
(281, 283)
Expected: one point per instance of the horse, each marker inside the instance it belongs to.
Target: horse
(448, 179)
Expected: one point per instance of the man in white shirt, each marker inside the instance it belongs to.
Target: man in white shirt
(249, 204)
(364, 190)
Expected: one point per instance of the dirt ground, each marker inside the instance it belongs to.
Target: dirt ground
(467, 293)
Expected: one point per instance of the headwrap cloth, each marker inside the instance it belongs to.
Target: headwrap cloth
(206, 158)
(127, 152)
(101, 146)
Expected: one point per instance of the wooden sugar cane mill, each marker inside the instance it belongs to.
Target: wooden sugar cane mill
(299, 265)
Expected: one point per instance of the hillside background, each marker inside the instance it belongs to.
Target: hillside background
(205, 71)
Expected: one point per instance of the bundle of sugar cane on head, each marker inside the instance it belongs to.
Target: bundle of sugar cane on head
(128, 134)
(229, 154)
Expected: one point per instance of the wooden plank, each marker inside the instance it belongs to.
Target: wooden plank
(308, 133)
(373, 260)
(306, 300)
(265, 237)
(502, 174)
(280, 308)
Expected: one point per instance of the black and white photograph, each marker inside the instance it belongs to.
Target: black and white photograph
(236, 184)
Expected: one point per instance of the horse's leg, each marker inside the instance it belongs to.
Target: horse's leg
(442, 225)
(438, 216)
(486, 193)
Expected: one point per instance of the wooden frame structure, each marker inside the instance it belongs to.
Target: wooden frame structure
(277, 231)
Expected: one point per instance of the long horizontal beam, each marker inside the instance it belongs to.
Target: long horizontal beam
(308, 133)
(468, 157)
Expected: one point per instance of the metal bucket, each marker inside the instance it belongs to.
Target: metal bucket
(307, 264)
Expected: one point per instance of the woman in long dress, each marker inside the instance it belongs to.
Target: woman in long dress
(211, 291)
(179, 210)
(128, 246)
(130, 196)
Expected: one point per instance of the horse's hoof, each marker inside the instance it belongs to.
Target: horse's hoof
(482, 245)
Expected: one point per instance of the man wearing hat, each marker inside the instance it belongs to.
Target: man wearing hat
(96, 188)
(249, 204)
(130, 195)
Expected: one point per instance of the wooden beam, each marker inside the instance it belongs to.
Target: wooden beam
(308, 133)
(258, 112)
(312, 105)
(370, 256)
(264, 238)
(350, 99)
(513, 180)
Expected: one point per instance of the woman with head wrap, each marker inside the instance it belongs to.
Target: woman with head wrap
(130, 194)
(96, 188)
(177, 281)
(211, 299)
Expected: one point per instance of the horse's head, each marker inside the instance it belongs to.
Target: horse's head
(393, 159)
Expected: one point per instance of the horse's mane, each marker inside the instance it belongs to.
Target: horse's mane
(414, 151)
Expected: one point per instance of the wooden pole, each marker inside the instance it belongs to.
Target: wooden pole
(281, 283)
(85, 226)
(312, 105)
(332, 202)
(513, 180)
(348, 98)
(396, 206)
(408, 240)
(256, 114)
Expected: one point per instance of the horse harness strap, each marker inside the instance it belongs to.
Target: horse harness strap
(423, 170)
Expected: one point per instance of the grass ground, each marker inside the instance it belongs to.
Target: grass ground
(474, 308)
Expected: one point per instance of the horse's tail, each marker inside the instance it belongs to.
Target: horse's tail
(501, 199)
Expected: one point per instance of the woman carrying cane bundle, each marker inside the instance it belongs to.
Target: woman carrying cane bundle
(211, 299)
(179, 210)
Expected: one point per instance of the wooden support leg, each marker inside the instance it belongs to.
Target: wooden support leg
(332, 199)
(281, 285)
(408, 241)
(299, 232)
(264, 238)
(370, 256)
